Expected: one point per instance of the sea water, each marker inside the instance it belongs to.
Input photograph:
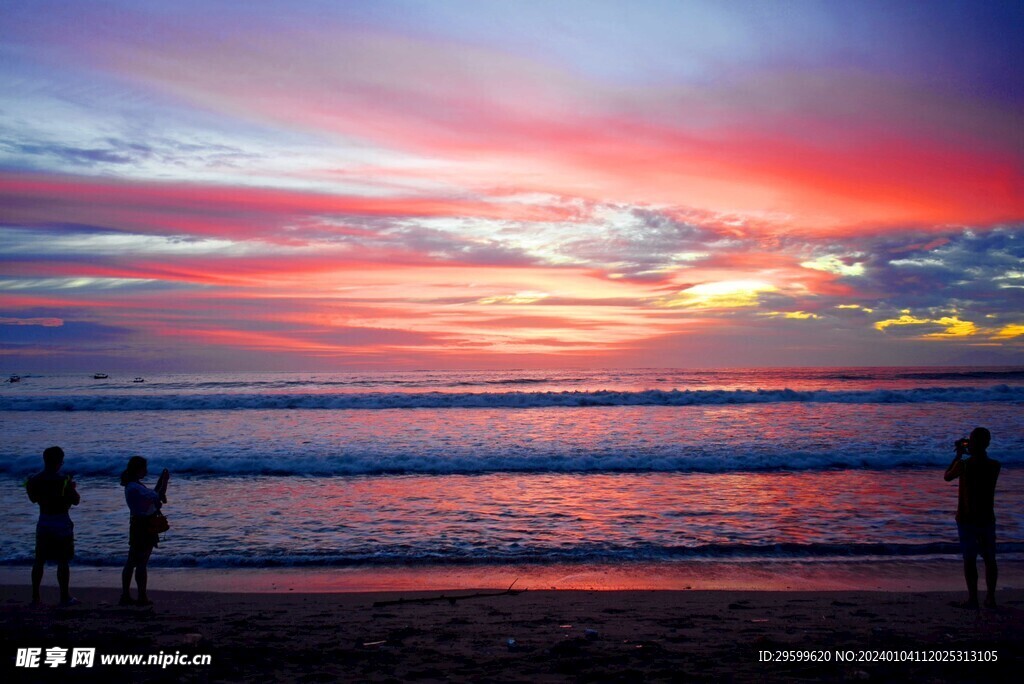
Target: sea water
(457, 467)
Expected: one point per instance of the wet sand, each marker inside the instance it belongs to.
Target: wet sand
(915, 574)
(573, 636)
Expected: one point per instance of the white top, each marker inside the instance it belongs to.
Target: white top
(141, 499)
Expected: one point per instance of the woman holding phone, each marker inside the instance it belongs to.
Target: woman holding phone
(144, 504)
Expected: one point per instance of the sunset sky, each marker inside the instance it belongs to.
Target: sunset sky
(196, 185)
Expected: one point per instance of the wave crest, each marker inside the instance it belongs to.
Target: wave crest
(595, 552)
(504, 400)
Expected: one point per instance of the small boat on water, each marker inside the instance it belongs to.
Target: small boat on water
(100, 376)
(139, 380)
(14, 378)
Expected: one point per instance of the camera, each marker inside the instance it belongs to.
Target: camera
(963, 444)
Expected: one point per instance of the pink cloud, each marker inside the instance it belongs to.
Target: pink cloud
(828, 149)
(243, 212)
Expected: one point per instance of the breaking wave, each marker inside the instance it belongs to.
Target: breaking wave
(539, 554)
(503, 400)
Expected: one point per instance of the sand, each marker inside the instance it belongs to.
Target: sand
(576, 636)
(908, 574)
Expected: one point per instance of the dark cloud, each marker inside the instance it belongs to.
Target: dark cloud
(39, 153)
(74, 155)
(33, 312)
(447, 247)
(62, 228)
(395, 236)
(85, 333)
(320, 333)
(964, 270)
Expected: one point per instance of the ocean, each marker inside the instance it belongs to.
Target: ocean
(386, 469)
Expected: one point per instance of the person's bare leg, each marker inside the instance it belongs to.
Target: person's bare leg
(991, 575)
(142, 576)
(126, 581)
(64, 580)
(971, 575)
(37, 580)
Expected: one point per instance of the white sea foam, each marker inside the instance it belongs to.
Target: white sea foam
(501, 400)
(501, 458)
(531, 554)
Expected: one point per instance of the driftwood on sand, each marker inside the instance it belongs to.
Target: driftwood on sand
(450, 599)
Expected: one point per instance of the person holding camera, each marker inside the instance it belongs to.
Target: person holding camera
(144, 505)
(975, 511)
(55, 532)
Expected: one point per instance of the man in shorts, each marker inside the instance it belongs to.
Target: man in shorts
(975, 512)
(55, 533)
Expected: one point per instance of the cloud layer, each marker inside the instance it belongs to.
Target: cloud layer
(333, 186)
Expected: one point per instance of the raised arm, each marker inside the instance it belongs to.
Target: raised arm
(957, 466)
(72, 493)
(146, 493)
(161, 485)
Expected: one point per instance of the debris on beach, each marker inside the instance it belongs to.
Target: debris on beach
(449, 599)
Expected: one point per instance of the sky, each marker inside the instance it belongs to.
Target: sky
(307, 185)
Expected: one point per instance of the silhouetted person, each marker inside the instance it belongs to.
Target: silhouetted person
(975, 512)
(55, 533)
(143, 503)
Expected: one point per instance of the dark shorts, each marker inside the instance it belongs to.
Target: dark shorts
(140, 539)
(977, 539)
(51, 547)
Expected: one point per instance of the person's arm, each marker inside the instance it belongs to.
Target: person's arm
(957, 466)
(30, 489)
(72, 493)
(161, 485)
(145, 492)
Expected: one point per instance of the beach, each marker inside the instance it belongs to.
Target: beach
(557, 636)
(653, 525)
(511, 342)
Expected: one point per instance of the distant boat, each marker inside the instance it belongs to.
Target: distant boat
(100, 376)
(15, 378)
(139, 380)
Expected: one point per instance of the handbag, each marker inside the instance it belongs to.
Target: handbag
(157, 523)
